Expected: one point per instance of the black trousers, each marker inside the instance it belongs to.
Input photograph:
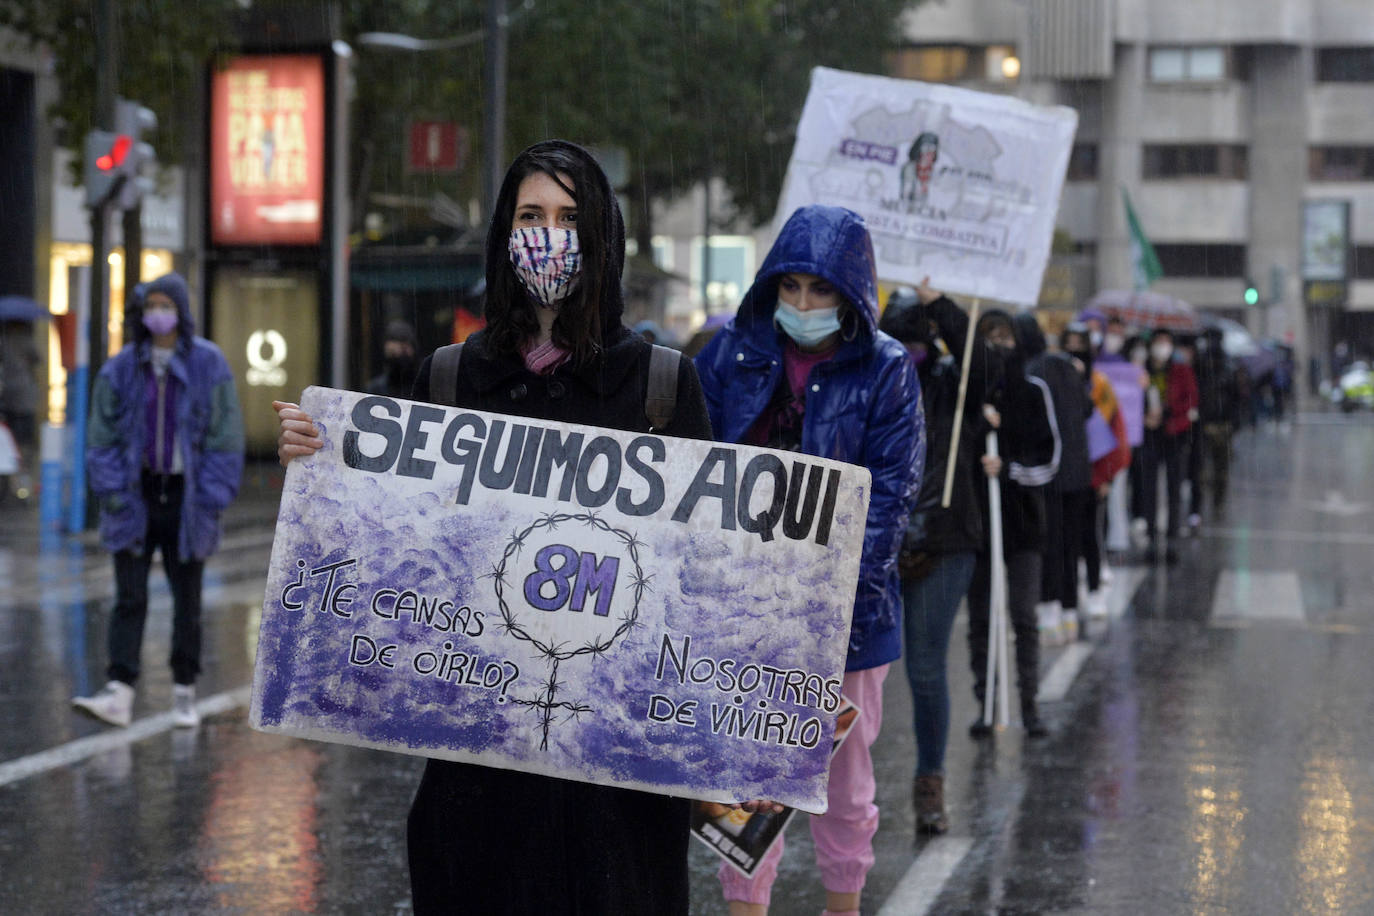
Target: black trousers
(162, 495)
(1071, 533)
(1162, 451)
(1023, 590)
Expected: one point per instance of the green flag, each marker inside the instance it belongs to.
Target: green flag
(1144, 261)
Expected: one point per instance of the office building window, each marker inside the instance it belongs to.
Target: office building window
(1201, 260)
(1083, 162)
(933, 63)
(1345, 65)
(1195, 160)
(1207, 63)
(1341, 163)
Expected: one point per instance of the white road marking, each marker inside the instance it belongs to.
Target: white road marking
(80, 749)
(1258, 595)
(1054, 686)
(920, 887)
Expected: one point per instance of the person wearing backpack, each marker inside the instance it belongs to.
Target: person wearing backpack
(485, 840)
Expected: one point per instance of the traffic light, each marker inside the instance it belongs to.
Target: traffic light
(106, 153)
(1252, 296)
(131, 120)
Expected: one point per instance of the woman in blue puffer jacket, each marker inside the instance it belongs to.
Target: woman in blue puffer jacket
(804, 367)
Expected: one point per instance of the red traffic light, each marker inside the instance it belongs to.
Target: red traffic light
(119, 151)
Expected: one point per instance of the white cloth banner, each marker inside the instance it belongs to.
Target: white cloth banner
(958, 185)
(617, 608)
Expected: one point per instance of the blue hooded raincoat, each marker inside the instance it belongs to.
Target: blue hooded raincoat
(209, 430)
(863, 405)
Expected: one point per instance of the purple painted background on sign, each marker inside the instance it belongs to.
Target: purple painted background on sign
(709, 672)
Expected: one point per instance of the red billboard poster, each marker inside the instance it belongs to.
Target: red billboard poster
(267, 151)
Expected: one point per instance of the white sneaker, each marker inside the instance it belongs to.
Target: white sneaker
(1048, 617)
(1139, 532)
(114, 704)
(184, 713)
(1068, 626)
(1096, 605)
(1105, 576)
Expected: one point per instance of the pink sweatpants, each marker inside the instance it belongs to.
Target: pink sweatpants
(844, 834)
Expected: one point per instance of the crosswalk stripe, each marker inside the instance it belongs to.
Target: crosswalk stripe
(81, 748)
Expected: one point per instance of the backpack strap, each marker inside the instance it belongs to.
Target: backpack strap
(443, 374)
(661, 397)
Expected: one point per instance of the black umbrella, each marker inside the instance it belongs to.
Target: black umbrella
(21, 308)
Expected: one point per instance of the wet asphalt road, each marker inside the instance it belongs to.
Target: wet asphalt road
(1213, 751)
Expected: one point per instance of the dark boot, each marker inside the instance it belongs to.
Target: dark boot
(1030, 718)
(976, 728)
(928, 795)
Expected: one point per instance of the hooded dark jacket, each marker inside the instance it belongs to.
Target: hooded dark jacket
(1072, 403)
(863, 405)
(546, 845)
(934, 528)
(209, 430)
(1028, 443)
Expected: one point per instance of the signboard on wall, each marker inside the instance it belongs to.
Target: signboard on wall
(1325, 239)
(437, 146)
(267, 151)
(957, 185)
(625, 609)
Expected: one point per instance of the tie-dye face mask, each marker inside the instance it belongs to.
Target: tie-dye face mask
(548, 261)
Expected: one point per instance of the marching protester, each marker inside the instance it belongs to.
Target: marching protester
(803, 366)
(1167, 423)
(1020, 408)
(941, 542)
(1110, 453)
(1218, 407)
(1128, 382)
(164, 457)
(486, 840)
(1068, 493)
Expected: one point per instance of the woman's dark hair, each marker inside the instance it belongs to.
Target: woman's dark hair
(590, 315)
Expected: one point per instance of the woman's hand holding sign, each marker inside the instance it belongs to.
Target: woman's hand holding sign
(299, 436)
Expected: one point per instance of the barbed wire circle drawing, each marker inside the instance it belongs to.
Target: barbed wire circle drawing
(544, 702)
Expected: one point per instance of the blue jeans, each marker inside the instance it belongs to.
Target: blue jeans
(930, 604)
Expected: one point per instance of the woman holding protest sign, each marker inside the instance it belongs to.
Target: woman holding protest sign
(803, 367)
(483, 840)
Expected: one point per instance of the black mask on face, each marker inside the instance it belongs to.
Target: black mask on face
(400, 368)
(1086, 358)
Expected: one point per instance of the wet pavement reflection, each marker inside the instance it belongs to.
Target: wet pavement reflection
(1214, 754)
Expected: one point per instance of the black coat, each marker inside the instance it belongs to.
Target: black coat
(933, 528)
(484, 840)
(1072, 404)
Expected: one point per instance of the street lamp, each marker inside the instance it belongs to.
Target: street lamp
(496, 21)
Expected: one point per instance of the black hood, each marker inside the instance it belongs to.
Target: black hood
(1030, 340)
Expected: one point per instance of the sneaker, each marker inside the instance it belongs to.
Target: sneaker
(184, 713)
(1068, 626)
(114, 704)
(1048, 616)
(1096, 605)
(1105, 575)
(1139, 531)
(979, 728)
(928, 796)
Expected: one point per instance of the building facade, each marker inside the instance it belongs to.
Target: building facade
(1224, 121)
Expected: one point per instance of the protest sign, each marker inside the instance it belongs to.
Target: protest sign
(957, 185)
(611, 607)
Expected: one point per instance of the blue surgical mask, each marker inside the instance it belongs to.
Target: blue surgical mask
(807, 328)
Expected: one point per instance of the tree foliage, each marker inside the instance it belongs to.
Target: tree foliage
(688, 88)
